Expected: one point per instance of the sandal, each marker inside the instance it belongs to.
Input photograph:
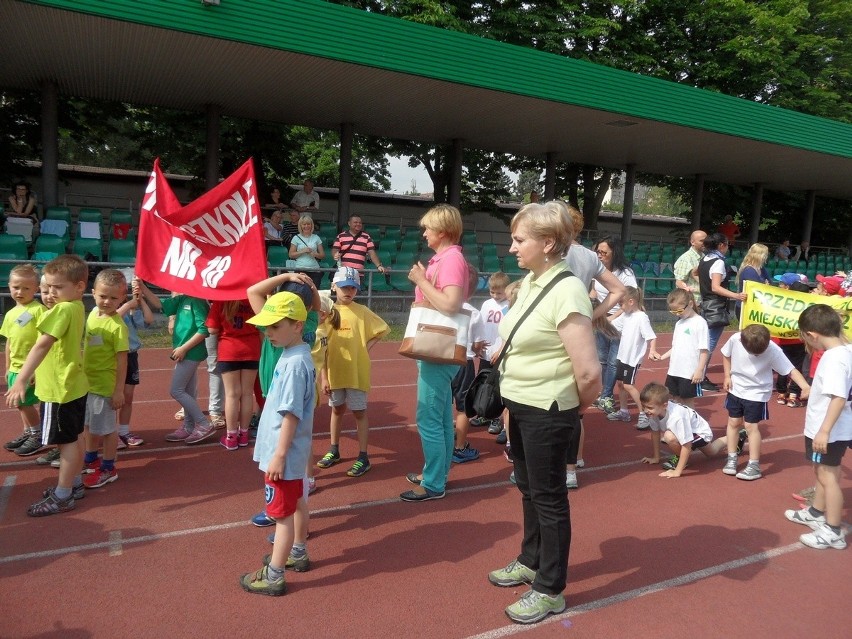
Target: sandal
(782, 399)
(793, 402)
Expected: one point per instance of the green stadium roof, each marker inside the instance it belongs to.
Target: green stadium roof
(319, 64)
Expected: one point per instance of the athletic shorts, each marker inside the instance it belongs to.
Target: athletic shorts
(30, 398)
(682, 387)
(132, 376)
(355, 399)
(230, 367)
(624, 373)
(100, 415)
(461, 382)
(750, 411)
(282, 496)
(63, 423)
(697, 441)
(833, 455)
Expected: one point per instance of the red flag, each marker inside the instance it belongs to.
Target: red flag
(211, 248)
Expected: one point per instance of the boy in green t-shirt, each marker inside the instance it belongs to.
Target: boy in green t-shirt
(105, 363)
(57, 363)
(19, 329)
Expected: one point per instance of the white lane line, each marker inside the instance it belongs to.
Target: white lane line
(660, 586)
(6, 493)
(115, 547)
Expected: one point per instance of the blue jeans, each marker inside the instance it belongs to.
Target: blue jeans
(435, 422)
(540, 443)
(607, 351)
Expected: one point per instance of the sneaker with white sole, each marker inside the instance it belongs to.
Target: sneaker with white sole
(231, 441)
(571, 479)
(100, 477)
(513, 574)
(750, 473)
(534, 606)
(805, 518)
(200, 434)
(606, 404)
(217, 420)
(580, 463)
(643, 422)
(48, 458)
(178, 435)
(619, 416)
(824, 537)
(730, 467)
(495, 427)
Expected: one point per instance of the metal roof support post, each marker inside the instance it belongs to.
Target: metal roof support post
(49, 144)
(213, 116)
(550, 177)
(454, 188)
(627, 212)
(347, 137)
(809, 216)
(697, 201)
(757, 207)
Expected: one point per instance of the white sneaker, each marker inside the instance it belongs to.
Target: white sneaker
(824, 537)
(643, 422)
(730, 467)
(805, 518)
(620, 416)
(581, 463)
(217, 420)
(571, 479)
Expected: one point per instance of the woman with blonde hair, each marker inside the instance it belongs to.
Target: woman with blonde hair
(443, 282)
(549, 370)
(753, 269)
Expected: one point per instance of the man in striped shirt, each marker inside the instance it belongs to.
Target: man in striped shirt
(351, 248)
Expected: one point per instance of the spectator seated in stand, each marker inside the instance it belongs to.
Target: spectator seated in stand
(306, 200)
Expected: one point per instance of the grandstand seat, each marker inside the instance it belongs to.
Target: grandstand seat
(14, 245)
(50, 244)
(122, 251)
(399, 280)
(20, 227)
(510, 265)
(89, 246)
(6, 269)
(385, 255)
(374, 231)
(377, 280)
(409, 244)
(58, 213)
(403, 260)
(491, 264)
(276, 256)
(121, 217)
(90, 216)
(43, 256)
(468, 237)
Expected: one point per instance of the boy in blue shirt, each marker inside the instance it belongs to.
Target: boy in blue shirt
(284, 434)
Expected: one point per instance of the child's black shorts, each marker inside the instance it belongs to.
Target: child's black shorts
(833, 455)
(132, 376)
(682, 387)
(63, 423)
(750, 411)
(461, 382)
(624, 373)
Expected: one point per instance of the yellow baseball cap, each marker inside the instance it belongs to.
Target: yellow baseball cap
(280, 306)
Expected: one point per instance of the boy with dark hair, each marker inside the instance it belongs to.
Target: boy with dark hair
(19, 329)
(682, 429)
(284, 435)
(57, 362)
(749, 359)
(828, 426)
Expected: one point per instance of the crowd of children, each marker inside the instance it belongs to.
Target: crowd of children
(287, 345)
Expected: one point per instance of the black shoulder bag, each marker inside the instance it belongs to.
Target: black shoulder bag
(483, 397)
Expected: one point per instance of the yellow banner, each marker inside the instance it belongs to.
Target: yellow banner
(778, 309)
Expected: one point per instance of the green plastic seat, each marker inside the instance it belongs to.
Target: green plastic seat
(14, 245)
(50, 244)
(122, 251)
(88, 246)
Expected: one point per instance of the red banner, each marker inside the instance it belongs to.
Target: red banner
(211, 248)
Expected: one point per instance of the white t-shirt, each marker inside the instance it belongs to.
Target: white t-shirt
(492, 313)
(476, 330)
(718, 267)
(634, 338)
(833, 378)
(305, 199)
(685, 423)
(584, 263)
(627, 278)
(751, 375)
(690, 337)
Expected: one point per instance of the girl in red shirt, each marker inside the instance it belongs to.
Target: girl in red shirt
(239, 353)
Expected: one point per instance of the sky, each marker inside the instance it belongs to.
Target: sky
(402, 174)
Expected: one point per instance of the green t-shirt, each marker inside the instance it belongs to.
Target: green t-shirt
(190, 315)
(105, 336)
(269, 354)
(60, 377)
(21, 332)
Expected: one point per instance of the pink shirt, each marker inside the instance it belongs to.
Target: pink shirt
(447, 268)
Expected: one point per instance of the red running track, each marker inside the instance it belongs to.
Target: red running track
(158, 553)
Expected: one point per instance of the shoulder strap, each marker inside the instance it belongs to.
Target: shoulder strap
(558, 278)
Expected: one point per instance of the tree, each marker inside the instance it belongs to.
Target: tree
(528, 181)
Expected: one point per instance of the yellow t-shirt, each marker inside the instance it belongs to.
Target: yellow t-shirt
(347, 361)
(105, 336)
(20, 328)
(60, 377)
(536, 370)
(318, 352)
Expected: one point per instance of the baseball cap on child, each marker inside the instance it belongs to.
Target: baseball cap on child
(278, 307)
(347, 276)
(788, 279)
(831, 284)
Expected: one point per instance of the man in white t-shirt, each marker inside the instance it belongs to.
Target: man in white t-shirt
(749, 358)
(306, 199)
(682, 429)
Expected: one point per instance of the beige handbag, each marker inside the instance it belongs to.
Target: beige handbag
(432, 336)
